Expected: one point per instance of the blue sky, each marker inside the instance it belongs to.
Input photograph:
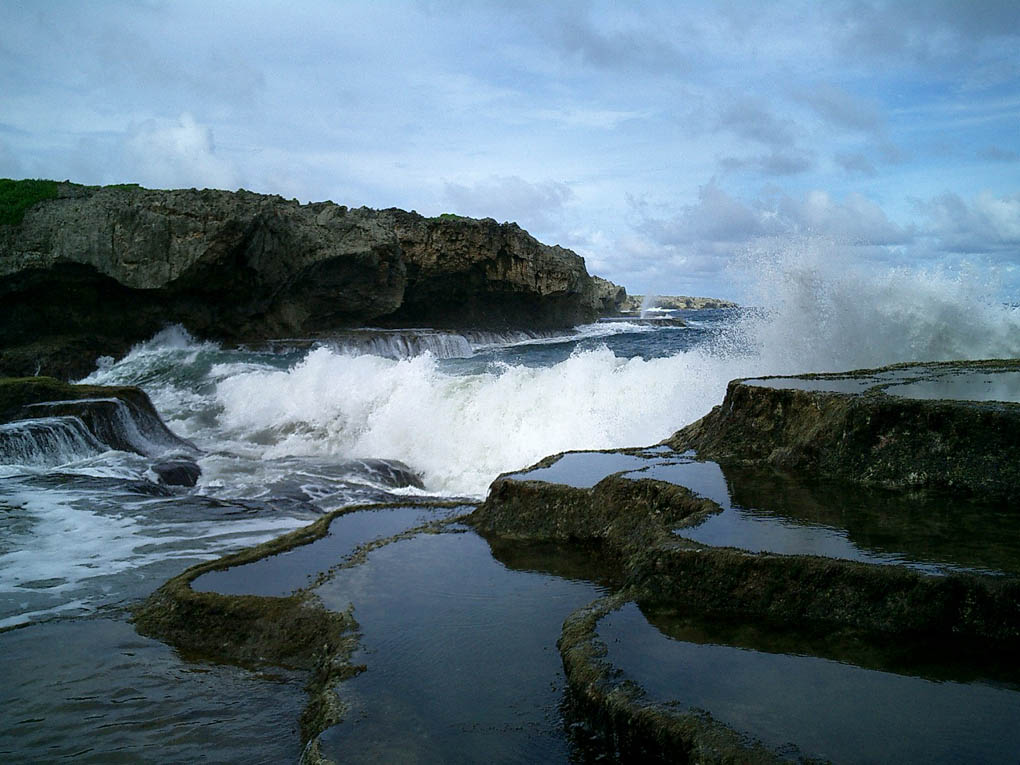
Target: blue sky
(662, 141)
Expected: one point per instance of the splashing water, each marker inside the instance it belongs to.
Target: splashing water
(824, 314)
(459, 427)
(647, 304)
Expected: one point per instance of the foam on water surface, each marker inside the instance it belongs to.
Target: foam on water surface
(272, 422)
(67, 551)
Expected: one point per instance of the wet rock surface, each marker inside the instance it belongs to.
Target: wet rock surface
(866, 427)
(734, 600)
(177, 472)
(46, 421)
(730, 528)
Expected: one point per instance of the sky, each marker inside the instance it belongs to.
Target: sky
(662, 141)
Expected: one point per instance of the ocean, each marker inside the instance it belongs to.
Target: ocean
(288, 430)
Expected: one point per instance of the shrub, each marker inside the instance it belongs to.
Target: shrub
(17, 196)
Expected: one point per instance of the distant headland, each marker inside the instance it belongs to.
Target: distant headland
(635, 303)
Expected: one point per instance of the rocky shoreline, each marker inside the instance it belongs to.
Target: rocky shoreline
(89, 271)
(808, 427)
(632, 515)
(862, 520)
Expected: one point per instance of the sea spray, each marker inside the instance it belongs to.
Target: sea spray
(460, 423)
(461, 431)
(647, 304)
(823, 313)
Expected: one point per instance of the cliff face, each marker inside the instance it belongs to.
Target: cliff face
(96, 269)
(464, 272)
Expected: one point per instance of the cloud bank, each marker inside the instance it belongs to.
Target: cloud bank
(660, 142)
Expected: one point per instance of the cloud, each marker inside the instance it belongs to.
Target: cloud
(181, 153)
(855, 220)
(717, 217)
(751, 119)
(779, 162)
(923, 32)
(855, 163)
(532, 205)
(720, 218)
(986, 224)
(842, 109)
(637, 48)
(997, 154)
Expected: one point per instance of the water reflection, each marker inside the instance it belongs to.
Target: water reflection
(830, 709)
(766, 511)
(460, 653)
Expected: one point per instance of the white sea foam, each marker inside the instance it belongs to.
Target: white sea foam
(459, 425)
(461, 431)
(46, 441)
(823, 313)
(65, 549)
(462, 428)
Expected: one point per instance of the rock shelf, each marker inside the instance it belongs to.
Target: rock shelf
(858, 506)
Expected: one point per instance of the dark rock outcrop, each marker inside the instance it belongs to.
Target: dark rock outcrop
(857, 427)
(43, 411)
(611, 297)
(95, 270)
(177, 472)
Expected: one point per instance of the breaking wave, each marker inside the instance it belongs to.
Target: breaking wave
(459, 427)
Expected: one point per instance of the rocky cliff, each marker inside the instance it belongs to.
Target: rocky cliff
(93, 270)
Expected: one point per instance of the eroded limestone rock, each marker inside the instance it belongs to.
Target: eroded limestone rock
(95, 270)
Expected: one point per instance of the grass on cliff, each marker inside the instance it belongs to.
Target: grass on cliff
(17, 196)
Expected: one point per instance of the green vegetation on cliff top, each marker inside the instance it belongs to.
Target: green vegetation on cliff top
(17, 196)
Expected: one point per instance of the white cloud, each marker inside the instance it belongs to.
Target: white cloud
(547, 114)
(856, 163)
(841, 108)
(719, 218)
(986, 224)
(777, 163)
(855, 220)
(637, 46)
(750, 118)
(511, 198)
(179, 153)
